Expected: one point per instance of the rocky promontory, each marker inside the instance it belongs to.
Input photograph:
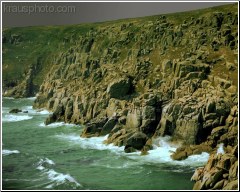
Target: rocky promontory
(138, 79)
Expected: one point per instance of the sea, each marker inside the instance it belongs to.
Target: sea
(55, 157)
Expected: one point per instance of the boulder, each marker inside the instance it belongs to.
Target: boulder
(197, 174)
(179, 155)
(136, 141)
(94, 128)
(198, 185)
(219, 184)
(233, 185)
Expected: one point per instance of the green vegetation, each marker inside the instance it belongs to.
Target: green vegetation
(23, 47)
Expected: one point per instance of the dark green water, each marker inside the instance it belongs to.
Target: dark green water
(55, 157)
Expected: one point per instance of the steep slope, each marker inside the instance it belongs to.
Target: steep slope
(137, 79)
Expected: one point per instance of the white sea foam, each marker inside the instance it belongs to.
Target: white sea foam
(13, 118)
(8, 97)
(161, 153)
(57, 124)
(56, 177)
(90, 143)
(60, 178)
(34, 111)
(220, 149)
(31, 98)
(47, 161)
(19, 179)
(9, 152)
(44, 112)
(51, 125)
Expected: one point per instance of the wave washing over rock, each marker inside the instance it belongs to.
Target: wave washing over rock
(57, 124)
(136, 80)
(30, 110)
(161, 146)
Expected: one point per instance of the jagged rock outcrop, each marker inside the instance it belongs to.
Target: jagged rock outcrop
(138, 79)
(220, 172)
(26, 88)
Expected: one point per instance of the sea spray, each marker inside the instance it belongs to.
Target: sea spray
(220, 149)
(9, 152)
(161, 153)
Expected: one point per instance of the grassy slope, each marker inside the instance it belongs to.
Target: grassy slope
(45, 41)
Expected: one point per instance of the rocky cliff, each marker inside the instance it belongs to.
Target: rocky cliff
(137, 79)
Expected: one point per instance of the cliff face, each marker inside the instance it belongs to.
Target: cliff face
(141, 78)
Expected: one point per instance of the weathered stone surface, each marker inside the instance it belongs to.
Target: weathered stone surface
(109, 125)
(179, 156)
(220, 172)
(137, 141)
(50, 119)
(233, 185)
(94, 128)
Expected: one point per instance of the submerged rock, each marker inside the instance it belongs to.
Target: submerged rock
(15, 111)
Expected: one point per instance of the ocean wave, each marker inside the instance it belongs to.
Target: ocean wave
(60, 178)
(118, 165)
(55, 177)
(8, 97)
(9, 152)
(44, 112)
(90, 143)
(19, 179)
(161, 152)
(13, 118)
(30, 98)
(34, 111)
(46, 161)
(57, 124)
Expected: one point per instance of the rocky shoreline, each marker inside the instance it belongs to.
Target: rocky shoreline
(154, 78)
